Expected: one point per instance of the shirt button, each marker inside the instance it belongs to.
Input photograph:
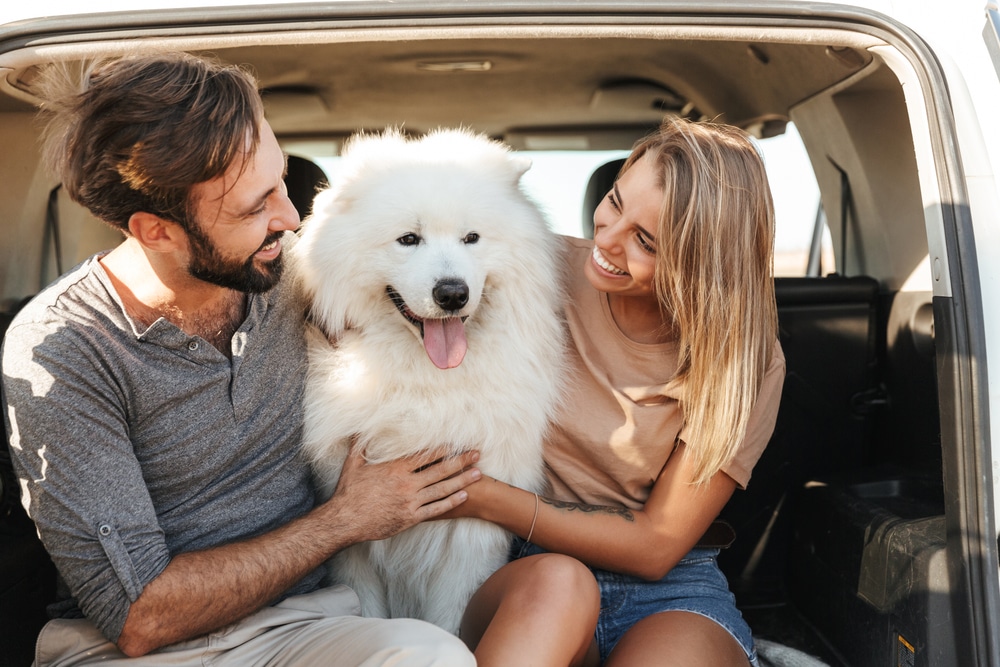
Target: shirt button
(105, 530)
(193, 345)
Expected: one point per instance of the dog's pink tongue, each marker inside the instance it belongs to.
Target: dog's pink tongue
(445, 341)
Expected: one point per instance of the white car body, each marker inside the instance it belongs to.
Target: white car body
(945, 58)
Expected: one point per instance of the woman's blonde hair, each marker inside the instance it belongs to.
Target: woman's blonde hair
(713, 278)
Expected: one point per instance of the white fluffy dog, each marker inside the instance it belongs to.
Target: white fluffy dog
(437, 282)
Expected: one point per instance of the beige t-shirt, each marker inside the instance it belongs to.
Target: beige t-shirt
(618, 423)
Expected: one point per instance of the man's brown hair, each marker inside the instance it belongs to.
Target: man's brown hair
(137, 132)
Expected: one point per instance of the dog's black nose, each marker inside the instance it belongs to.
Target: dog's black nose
(451, 294)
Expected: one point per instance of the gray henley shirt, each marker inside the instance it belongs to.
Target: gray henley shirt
(134, 445)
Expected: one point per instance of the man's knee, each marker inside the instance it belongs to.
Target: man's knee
(355, 641)
(420, 644)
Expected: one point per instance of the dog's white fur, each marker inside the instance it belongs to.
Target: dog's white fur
(408, 213)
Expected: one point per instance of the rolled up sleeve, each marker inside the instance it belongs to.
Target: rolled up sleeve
(80, 480)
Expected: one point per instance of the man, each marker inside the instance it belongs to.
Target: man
(154, 395)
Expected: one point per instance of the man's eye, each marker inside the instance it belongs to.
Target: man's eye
(408, 239)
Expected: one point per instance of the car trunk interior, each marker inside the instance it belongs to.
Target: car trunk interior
(841, 546)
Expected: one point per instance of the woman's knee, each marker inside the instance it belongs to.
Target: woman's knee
(678, 638)
(533, 593)
(544, 605)
(551, 577)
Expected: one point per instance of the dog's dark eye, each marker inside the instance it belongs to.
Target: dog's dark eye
(408, 239)
(471, 237)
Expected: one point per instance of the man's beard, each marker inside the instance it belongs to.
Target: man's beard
(208, 264)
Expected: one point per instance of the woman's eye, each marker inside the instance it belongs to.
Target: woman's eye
(471, 237)
(646, 244)
(408, 239)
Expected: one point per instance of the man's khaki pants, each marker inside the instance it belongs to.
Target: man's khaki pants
(321, 628)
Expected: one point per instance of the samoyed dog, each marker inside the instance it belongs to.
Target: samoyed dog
(436, 299)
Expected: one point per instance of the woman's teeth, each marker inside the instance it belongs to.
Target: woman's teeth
(604, 264)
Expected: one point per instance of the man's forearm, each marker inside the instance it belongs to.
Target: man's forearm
(202, 591)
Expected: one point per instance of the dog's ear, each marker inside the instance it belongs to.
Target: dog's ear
(519, 167)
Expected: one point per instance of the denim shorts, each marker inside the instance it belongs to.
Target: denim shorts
(695, 584)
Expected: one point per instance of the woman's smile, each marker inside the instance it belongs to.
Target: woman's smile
(603, 263)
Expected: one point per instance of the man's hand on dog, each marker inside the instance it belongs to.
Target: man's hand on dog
(378, 500)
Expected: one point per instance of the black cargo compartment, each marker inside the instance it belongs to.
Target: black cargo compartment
(868, 569)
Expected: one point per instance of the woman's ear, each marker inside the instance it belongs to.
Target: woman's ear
(155, 233)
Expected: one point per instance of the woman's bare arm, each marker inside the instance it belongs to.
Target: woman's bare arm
(646, 543)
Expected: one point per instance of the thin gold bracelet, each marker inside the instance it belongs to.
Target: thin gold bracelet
(533, 519)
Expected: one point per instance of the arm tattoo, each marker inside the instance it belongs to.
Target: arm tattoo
(623, 512)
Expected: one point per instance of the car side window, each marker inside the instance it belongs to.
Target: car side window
(802, 242)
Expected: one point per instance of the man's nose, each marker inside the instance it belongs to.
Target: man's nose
(287, 217)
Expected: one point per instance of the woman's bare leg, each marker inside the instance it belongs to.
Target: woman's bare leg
(537, 611)
(677, 638)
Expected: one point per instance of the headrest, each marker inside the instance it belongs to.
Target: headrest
(304, 179)
(599, 185)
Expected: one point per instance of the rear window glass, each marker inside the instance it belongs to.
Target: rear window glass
(558, 180)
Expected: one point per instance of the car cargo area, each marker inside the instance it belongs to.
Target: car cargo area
(843, 546)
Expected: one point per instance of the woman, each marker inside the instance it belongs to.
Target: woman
(675, 380)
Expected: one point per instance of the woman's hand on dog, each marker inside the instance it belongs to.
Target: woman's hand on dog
(374, 501)
(487, 498)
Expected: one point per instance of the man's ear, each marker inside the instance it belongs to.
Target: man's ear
(156, 233)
